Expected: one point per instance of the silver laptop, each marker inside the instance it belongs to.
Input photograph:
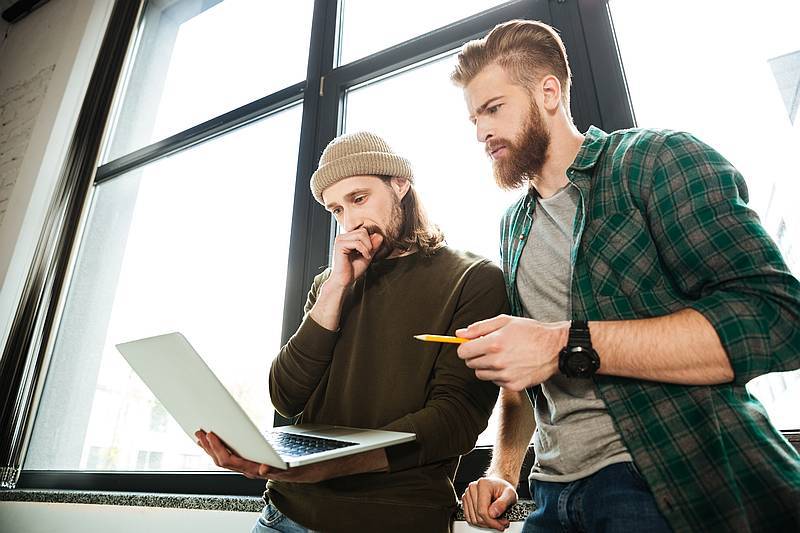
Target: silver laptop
(195, 397)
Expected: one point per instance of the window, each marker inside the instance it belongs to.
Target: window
(737, 87)
(200, 218)
(369, 26)
(427, 123)
(196, 243)
(194, 61)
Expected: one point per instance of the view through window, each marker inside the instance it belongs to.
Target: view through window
(732, 79)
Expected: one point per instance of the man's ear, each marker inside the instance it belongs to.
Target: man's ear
(400, 186)
(551, 93)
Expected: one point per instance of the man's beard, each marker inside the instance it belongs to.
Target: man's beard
(526, 156)
(391, 234)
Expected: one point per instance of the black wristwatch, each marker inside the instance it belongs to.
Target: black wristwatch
(578, 359)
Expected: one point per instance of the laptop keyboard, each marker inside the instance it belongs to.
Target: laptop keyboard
(291, 445)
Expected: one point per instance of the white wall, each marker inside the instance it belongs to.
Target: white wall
(24, 517)
(46, 60)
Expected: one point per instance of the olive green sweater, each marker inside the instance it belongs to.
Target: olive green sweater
(372, 373)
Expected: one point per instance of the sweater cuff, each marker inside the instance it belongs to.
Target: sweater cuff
(403, 456)
(408, 454)
(311, 338)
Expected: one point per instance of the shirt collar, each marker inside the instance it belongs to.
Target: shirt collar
(593, 145)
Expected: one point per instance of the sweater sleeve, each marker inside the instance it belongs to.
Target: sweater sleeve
(717, 251)
(459, 405)
(303, 360)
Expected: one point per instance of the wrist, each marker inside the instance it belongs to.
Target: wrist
(332, 289)
(561, 343)
(505, 476)
(578, 358)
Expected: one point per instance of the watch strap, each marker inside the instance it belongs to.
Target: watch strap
(579, 334)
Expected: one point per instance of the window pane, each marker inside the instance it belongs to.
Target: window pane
(195, 243)
(737, 86)
(196, 60)
(369, 26)
(428, 123)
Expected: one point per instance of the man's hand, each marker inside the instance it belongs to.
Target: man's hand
(225, 458)
(486, 499)
(515, 353)
(352, 464)
(352, 254)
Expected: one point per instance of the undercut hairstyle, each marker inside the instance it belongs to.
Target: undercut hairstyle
(528, 50)
(416, 228)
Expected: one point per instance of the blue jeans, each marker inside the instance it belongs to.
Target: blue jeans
(274, 521)
(615, 499)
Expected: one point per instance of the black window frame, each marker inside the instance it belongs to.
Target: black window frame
(599, 97)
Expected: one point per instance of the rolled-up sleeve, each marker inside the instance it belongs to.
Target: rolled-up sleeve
(718, 253)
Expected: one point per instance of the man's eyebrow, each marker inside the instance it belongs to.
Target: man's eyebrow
(483, 107)
(349, 196)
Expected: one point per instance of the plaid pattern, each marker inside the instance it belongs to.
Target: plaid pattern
(663, 225)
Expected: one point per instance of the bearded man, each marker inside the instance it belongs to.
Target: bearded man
(645, 295)
(354, 361)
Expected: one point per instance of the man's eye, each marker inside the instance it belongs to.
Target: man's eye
(492, 110)
(358, 199)
(336, 211)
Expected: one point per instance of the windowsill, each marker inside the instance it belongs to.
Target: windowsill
(248, 504)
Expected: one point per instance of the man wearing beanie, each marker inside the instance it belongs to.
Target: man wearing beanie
(354, 360)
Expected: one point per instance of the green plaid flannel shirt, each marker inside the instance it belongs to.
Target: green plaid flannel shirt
(663, 225)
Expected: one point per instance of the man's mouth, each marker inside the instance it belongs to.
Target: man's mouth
(496, 151)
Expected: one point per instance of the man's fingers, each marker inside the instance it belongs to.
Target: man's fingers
(483, 362)
(506, 499)
(350, 240)
(202, 441)
(266, 471)
(226, 459)
(496, 376)
(488, 491)
(468, 505)
(376, 239)
(357, 245)
(484, 327)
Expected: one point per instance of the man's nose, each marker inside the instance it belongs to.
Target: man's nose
(351, 222)
(484, 132)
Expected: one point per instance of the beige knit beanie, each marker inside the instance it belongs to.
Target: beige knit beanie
(357, 154)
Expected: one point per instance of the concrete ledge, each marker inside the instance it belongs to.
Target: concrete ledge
(252, 504)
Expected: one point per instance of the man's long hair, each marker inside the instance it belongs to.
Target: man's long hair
(416, 229)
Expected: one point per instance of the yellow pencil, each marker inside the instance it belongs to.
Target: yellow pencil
(440, 338)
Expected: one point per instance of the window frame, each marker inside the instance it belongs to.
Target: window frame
(598, 99)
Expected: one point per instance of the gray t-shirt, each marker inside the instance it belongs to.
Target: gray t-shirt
(575, 436)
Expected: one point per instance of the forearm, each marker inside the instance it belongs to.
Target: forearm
(371, 461)
(299, 367)
(514, 432)
(446, 428)
(327, 309)
(681, 348)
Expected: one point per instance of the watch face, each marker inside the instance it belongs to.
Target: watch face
(580, 362)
